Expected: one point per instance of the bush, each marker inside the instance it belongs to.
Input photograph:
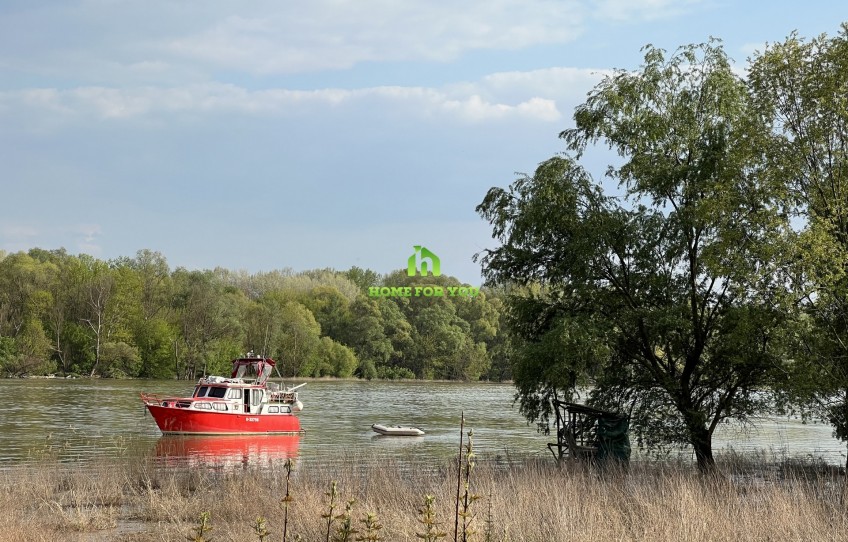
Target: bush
(394, 373)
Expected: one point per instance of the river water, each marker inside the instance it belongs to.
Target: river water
(78, 420)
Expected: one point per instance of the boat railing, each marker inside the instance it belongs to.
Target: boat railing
(151, 398)
(283, 396)
(181, 402)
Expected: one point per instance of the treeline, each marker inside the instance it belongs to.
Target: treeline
(135, 317)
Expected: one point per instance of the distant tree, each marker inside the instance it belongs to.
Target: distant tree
(500, 348)
(119, 360)
(25, 299)
(207, 312)
(64, 287)
(335, 359)
(296, 348)
(363, 278)
(98, 289)
(330, 308)
(366, 334)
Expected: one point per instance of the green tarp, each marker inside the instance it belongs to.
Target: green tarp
(613, 442)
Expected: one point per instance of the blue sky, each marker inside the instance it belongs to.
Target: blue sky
(270, 134)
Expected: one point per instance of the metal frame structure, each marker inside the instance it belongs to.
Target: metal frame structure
(577, 426)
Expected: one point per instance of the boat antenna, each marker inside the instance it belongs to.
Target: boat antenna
(278, 372)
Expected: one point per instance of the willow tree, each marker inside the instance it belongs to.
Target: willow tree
(665, 297)
(803, 87)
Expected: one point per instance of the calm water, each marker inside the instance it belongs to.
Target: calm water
(75, 420)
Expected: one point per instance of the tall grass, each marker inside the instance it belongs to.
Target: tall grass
(534, 501)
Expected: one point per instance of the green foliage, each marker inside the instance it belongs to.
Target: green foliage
(330, 309)
(394, 373)
(363, 278)
(801, 86)
(428, 519)
(202, 530)
(345, 531)
(260, 529)
(647, 297)
(155, 339)
(332, 504)
(367, 335)
(337, 359)
(8, 356)
(468, 498)
(297, 346)
(76, 344)
(119, 360)
(134, 317)
(372, 527)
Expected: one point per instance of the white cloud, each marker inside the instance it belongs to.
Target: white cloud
(117, 103)
(336, 34)
(165, 42)
(544, 95)
(561, 82)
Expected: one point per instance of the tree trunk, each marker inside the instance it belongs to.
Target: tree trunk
(702, 442)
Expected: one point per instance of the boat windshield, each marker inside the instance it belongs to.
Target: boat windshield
(201, 391)
(217, 392)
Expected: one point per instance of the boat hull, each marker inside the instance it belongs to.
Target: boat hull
(183, 421)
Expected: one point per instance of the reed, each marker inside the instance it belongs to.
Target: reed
(136, 501)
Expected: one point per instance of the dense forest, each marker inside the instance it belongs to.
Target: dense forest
(135, 317)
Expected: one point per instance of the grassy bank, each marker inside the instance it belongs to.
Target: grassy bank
(537, 501)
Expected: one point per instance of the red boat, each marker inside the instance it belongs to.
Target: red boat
(234, 405)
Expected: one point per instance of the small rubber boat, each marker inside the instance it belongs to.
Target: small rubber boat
(397, 430)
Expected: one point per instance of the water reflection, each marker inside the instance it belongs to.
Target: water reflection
(226, 451)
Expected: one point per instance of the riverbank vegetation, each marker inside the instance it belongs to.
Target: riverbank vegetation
(136, 317)
(533, 502)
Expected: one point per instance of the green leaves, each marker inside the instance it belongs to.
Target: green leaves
(802, 86)
(639, 295)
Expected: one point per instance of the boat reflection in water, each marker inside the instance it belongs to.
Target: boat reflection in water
(226, 451)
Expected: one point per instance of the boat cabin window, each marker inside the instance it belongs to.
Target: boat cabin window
(201, 391)
(204, 406)
(233, 394)
(257, 397)
(273, 410)
(219, 406)
(217, 392)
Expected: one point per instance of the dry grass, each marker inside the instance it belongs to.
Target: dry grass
(536, 501)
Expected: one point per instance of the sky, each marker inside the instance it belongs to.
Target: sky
(275, 134)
